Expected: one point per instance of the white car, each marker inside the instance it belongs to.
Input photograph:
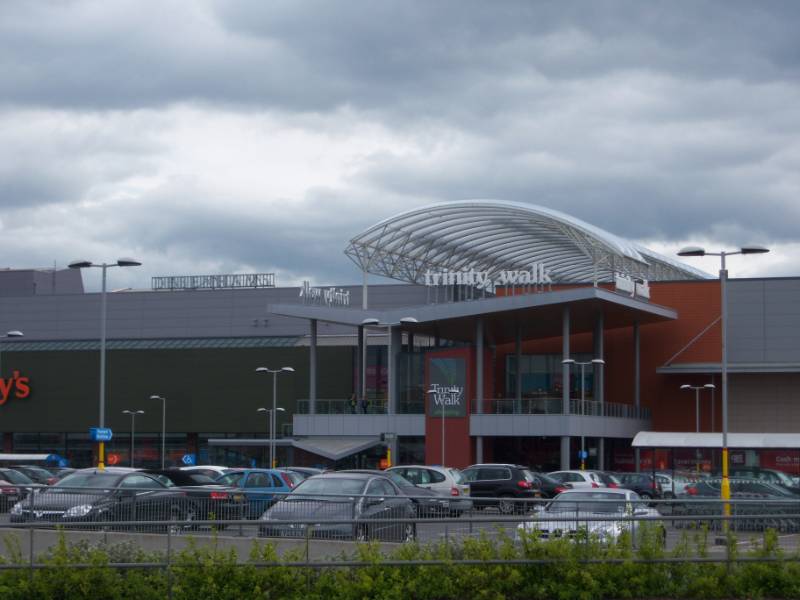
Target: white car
(578, 479)
(606, 513)
(442, 480)
(212, 471)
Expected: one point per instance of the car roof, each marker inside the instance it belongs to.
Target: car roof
(348, 475)
(605, 491)
(497, 465)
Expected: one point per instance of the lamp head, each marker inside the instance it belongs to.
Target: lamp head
(692, 251)
(128, 262)
(262, 370)
(754, 249)
(686, 386)
(156, 397)
(568, 361)
(598, 361)
(261, 410)
(409, 320)
(710, 386)
(14, 333)
(80, 264)
(288, 369)
(280, 409)
(370, 321)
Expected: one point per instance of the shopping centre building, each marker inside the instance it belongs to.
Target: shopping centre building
(461, 360)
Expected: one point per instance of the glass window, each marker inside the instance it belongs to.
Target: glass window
(258, 480)
(457, 475)
(386, 488)
(231, 479)
(433, 476)
(470, 475)
(139, 482)
(494, 473)
(374, 488)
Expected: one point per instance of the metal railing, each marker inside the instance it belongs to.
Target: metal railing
(343, 406)
(550, 405)
(305, 522)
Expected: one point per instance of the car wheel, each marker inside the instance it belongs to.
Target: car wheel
(506, 504)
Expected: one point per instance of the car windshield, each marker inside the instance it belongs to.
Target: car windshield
(587, 502)
(328, 485)
(457, 476)
(528, 475)
(12, 476)
(88, 480)
(399, 479)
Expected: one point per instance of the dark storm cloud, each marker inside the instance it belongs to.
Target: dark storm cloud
(653, 120)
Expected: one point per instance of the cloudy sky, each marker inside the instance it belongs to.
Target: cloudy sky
(211, 137)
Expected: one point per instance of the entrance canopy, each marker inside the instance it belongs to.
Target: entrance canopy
(493, 236)
(334, 447)
(750, 441)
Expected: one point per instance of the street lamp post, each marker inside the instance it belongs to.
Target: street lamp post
(10, 334)
(163, 426)
(133, 414)
(725, 487)
(85, 264)
(268, 413)
(697, 389)
(274, 407)
(582, 365)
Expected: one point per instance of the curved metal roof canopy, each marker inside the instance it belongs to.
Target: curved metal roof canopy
(495, 236)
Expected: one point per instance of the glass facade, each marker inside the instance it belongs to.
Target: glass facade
(542, 376)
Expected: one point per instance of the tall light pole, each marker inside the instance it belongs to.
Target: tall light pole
(274, 407)
(582, 365)
(10, 334)
(163, 426)
(725, 488)
(268, 413)
(85, 264)
(697, 388)
(133, 414)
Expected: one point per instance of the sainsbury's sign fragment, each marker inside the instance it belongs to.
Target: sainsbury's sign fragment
(17, 384)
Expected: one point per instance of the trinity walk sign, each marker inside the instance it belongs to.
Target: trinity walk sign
(538, 274)
(447, 398)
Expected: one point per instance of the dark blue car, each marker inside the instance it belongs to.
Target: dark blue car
(261, 487)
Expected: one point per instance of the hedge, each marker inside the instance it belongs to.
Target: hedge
(216, 574)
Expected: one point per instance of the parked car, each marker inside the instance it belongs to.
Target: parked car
(604, 512)
(211, 500)
(38, 474)
(674, 483)
(13, 487)
(768, 475)
(578, 479)
(610, 480)
(549, 487)
(427, 503)
(441, 480)
(769, 505)
(90, 495)
(505, 486)
(212, 471)
(643, 484)
(306, 472)
(364, 502)
(260, 487)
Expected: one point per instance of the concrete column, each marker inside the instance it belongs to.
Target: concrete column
(565, 333)
(599, 380)
(361, 365)
(636, 383)
(312, 369)
(518, 377)
(479, 366)
(479, 449)
(395, 341)
(565, 454)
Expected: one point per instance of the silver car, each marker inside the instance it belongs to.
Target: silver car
(444, 481)
(604, 512)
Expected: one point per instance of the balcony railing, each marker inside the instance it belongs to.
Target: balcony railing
(553, 406)
(343, 406)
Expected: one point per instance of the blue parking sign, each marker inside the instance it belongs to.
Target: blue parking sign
(189, 459)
